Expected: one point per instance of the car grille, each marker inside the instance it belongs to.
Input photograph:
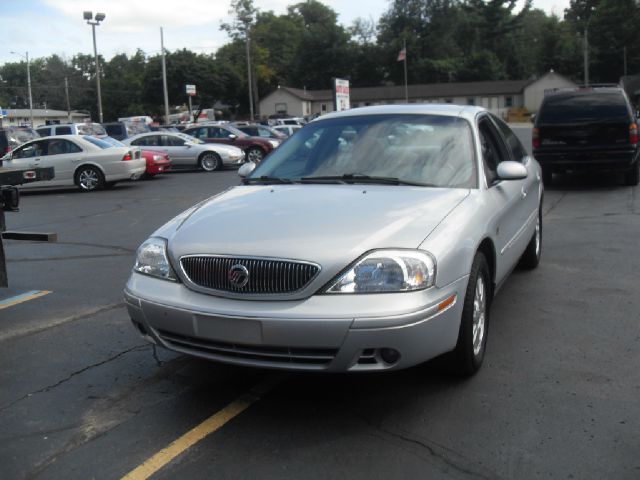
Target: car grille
(265, 276)
(285, 356)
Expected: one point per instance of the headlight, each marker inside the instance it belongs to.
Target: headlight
(388, 271)
(274, 143)
(151, 259)
(158, 158)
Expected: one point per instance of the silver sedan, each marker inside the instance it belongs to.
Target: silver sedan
(186, 151)
(374, 239)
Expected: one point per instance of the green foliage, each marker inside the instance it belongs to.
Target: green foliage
(447, 40)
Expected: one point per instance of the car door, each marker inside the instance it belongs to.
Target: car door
(64, 156)
(29, 155)
(505, 197)
(179, 150)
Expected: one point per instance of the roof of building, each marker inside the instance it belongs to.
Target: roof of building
(429, 90)
(40, 112)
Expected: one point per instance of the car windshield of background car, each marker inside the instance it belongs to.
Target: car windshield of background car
(426, 149)
(236, 132)
(98, 142)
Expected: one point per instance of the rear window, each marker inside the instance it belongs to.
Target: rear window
(582, 107)
(114, 129)
(63, 130)
(97, 142)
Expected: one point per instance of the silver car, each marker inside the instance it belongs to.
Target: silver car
(186, 151)
(373, 239)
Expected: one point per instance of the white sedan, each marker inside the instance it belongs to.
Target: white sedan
(81, 160)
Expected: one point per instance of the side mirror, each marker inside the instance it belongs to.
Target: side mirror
(232, 136)
(509, 170)
(246, 169)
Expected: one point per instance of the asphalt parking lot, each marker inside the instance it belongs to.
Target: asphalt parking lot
(82, 396)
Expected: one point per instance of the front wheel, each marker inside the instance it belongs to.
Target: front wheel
(255, 155)
(89, 178)
(210, 162)
(472, 337)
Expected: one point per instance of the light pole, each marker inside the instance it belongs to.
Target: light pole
(88, 16)
(26, 56)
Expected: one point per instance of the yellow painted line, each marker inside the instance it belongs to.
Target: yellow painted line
(193, 436)
(25, 297)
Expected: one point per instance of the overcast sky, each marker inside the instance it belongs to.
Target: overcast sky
(47, 27)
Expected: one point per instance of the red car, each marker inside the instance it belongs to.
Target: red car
(255, 148)
(157, 162)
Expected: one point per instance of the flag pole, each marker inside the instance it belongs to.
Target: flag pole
(406, 87)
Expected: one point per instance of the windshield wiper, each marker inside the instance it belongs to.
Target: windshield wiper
(359, 178)
(265, 179)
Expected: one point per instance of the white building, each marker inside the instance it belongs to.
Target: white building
(21, 116)
(498, 96)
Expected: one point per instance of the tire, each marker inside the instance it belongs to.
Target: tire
(632, 176)
(89, 178)
(467, 357)
(547, 176)
(210, 162)
(531, 256)
(255, 155)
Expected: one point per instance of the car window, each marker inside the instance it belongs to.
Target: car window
(493, 150)
(115, 130)
(172, 141)
(583, 106)
(61, 147)
(198, 132)
(518, 152)
(31, 150)
(217, 132)
(427, 149)
(63, 131)
(149, 140)
(44, 132)
(98, 142)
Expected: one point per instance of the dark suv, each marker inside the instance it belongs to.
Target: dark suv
(587, 129)
(12, 137)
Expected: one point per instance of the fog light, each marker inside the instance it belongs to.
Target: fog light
(389, 355)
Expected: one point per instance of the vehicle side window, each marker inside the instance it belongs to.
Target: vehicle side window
(263, 132)
(493, 150)
(61, 147)
(153, 141)
(35, 149)
(44, 132)
(171, 141)
(513, 143)
(198, 132)
(63, 131)
(216, 132)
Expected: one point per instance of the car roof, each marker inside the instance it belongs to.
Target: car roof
(467, 111)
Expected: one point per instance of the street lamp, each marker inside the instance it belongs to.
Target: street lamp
(26, 56)
(88, 16)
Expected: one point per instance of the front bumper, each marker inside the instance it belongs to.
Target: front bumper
(333, 333)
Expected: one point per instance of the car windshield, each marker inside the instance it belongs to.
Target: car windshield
(430, 150)
(91, 129)
(99, 142)
(188, 138)
(235, 131)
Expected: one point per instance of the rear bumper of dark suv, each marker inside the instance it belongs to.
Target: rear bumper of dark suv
(616, 160)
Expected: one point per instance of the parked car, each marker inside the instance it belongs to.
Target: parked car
(287, 130)
(257, 130)
(157, 161)
(12, 137)
(587, 129)
(189, 152)
(373, 239)
(122, 130)
(87, 128)
(82, 160)
(255, 148)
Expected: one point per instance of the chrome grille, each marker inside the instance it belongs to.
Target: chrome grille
(267, 355)
(266, 276)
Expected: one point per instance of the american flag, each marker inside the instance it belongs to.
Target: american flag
(402, 55)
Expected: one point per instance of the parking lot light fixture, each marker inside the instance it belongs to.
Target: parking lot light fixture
(26, 57)
(88, 16)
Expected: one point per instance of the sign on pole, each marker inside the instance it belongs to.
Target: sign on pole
(191, 90)
(341, 94)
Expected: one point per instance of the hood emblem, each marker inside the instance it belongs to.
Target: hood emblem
(238, 275)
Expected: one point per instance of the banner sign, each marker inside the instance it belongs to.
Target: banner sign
(341, 94)
(191, 90)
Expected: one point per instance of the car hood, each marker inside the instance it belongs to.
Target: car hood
(330, 225)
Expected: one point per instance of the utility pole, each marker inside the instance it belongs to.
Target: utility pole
(249, 80)
(29, 87)
(66, 89)
(88, 16)
(586, 56)
(164, 81)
